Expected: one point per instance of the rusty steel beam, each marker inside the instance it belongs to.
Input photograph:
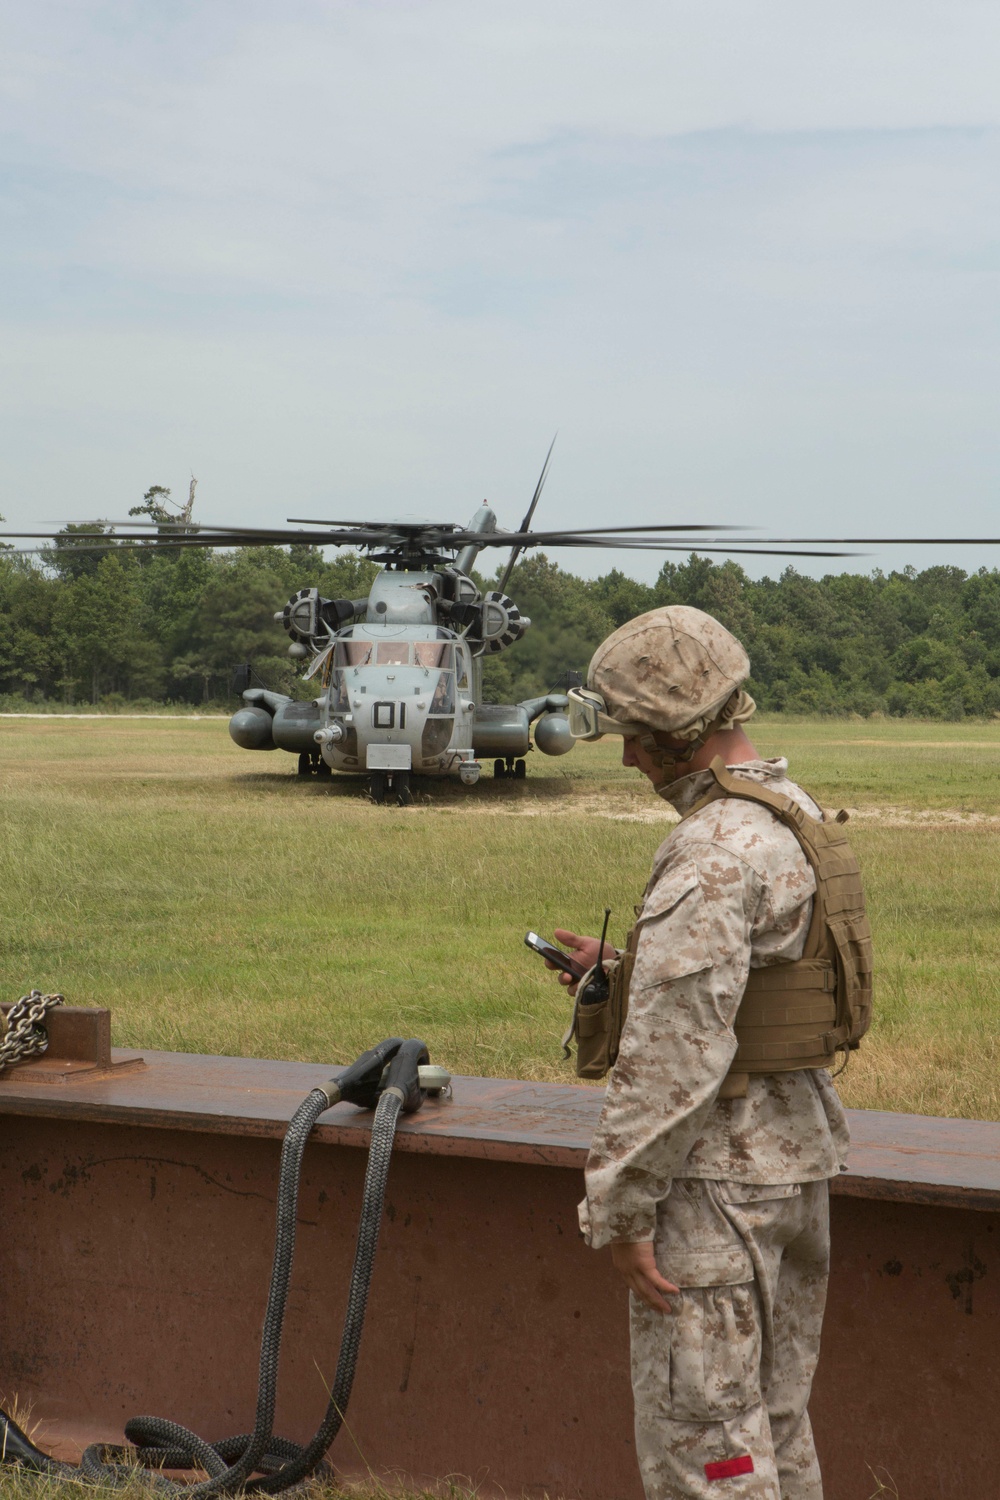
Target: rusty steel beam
(137, 1240)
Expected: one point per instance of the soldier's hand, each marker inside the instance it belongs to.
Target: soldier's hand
(583, 949)
(635, 1261)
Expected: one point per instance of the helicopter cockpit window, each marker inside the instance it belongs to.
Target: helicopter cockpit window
(443, 701)
(352, 653)
(393, 654)
(340, 702)
(432, 654)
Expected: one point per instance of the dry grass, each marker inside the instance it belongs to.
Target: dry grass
(18, 1485)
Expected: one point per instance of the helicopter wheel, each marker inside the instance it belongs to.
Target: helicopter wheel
(322, 768)
(305, 764)
(377, 787)
(520, 770)
(499, 770)
(401, 788)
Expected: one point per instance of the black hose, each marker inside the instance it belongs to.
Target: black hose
(157, 1443)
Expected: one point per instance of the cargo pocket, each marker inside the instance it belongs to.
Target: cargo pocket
(702, 1361)
(715, 1339)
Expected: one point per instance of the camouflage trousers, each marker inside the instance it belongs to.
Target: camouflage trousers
(722, 1382)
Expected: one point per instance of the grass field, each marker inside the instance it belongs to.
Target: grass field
(217, 903)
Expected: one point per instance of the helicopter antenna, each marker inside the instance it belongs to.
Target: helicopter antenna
(515, 552)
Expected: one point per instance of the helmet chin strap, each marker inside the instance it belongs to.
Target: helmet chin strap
(662, 758)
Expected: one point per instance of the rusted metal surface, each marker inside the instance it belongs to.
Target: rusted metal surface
(907, 1158)
(137, 1242)
(501, 1119)
(920, 1159)
(910, 1363)
(79, 1048)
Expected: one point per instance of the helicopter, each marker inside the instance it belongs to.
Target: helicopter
(399, 672)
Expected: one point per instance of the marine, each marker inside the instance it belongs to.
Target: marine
(747, 977)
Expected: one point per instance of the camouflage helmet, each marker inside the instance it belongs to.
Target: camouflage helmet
(674, 670)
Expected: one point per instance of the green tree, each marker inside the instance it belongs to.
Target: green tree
(79, 548)
(97, 626)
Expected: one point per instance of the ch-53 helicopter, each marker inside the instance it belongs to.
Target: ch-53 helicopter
(399, 672)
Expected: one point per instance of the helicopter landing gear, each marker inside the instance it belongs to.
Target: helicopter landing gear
(390, 786)
(311, 763)
(505, 770)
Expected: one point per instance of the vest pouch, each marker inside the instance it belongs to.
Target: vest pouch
(597, 1029)
(591, 1029)
(852, 941)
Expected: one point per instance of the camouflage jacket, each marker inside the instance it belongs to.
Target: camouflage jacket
(730, 889)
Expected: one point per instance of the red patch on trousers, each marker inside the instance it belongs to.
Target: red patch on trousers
(728, 1468)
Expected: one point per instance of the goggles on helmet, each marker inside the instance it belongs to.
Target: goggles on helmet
(589, 718)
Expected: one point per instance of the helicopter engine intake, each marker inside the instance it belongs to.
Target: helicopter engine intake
(309, 618)
(501, 622)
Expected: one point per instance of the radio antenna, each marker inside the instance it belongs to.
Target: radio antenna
(600, 951)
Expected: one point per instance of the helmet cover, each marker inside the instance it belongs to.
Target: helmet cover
(671, 669)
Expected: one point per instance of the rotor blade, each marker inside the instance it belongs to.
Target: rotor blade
(443, 527)
(694, 547)
(620, 530)
(175, 544)
(203, 537)
(526, 523)
(147, 548)
(182, 528)
(631, 543)
(172, 535)
(393, 533)
(382, 525)
(601, 534)
(895, 541)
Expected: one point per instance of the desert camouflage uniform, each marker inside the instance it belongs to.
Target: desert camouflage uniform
(732, 1192)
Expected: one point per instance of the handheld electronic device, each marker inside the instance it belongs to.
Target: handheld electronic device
(554, 955)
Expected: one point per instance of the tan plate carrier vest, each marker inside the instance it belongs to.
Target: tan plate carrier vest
(794, 1014)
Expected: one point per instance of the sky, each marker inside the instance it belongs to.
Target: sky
(364, 259)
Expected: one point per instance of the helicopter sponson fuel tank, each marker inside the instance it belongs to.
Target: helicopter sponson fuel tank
(272, 721)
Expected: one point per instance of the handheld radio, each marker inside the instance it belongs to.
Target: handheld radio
(597, 988)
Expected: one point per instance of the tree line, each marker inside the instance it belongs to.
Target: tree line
(138, 625)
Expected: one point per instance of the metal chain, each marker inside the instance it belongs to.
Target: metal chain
(26, 1035)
